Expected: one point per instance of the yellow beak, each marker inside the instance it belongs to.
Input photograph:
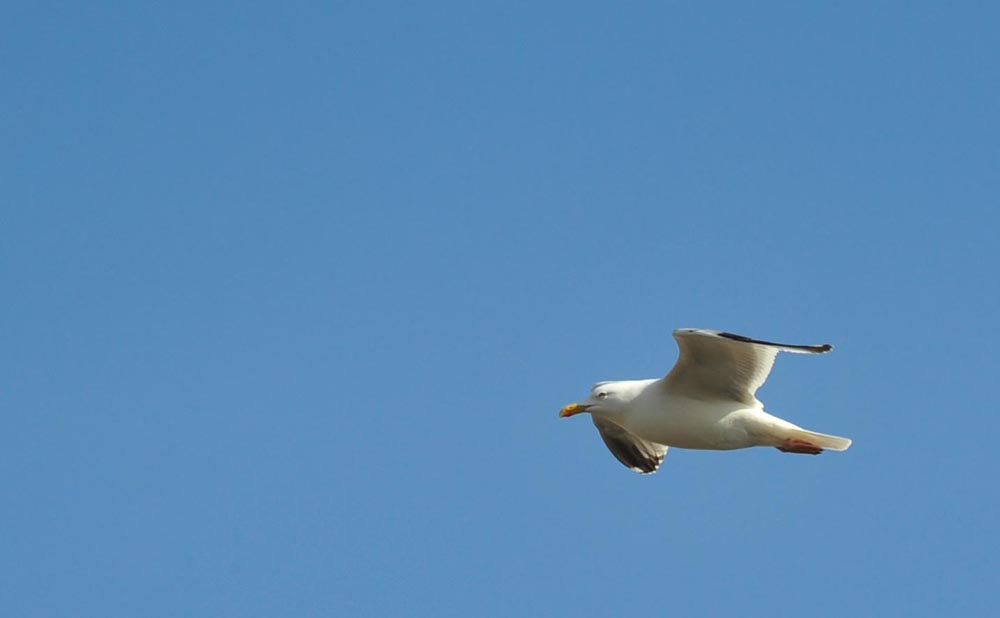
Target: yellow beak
(571, 409)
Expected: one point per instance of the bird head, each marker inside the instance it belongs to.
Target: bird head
(606, 398)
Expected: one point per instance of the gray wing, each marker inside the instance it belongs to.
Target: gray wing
(714, 365)
(640, 455)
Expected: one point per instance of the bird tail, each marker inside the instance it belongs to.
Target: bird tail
(822, 440)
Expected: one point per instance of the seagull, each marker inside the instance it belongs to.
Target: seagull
(707, 401)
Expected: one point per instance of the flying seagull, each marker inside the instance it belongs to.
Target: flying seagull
(706, 402)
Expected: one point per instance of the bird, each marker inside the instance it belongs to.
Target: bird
(707, 401)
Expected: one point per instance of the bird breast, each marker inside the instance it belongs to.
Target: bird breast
(690, 423)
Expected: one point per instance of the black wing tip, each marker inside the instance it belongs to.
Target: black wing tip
(816, 349)
(646, 466)
(637, 461)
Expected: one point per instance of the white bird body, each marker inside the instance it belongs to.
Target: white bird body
(688, 423)
(706, 402)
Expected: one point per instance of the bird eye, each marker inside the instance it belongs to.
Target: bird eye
(602, 395)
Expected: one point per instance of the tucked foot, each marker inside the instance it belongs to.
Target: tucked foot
(799, 446)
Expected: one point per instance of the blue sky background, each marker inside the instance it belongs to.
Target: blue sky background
(292, 296)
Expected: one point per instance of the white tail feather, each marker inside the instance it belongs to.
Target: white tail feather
(822, 440)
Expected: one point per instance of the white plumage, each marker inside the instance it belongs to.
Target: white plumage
(707, 401)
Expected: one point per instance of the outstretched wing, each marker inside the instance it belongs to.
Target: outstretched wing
(640, 455)
(714, 365)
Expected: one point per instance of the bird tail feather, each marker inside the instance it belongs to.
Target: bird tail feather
(822, 440)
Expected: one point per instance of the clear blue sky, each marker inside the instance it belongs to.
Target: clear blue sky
(292, 296)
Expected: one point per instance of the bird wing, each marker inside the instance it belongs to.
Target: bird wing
(640, 455)
(714, 365)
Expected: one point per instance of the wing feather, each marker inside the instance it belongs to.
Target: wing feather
(715, 365)
(640, 455)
